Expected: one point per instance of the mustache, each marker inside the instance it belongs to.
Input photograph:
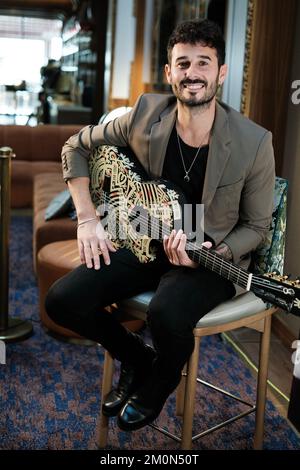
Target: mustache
(188, 81)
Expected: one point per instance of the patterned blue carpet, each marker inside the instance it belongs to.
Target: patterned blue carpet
(49, 390)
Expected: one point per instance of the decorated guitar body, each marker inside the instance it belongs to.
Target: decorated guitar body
(137, 213)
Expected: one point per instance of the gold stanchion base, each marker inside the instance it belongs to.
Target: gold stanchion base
(17, 330)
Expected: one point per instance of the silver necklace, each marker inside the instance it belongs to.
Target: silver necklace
(186, 176)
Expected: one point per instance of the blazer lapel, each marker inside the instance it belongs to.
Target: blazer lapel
(159, 138)
(219, 152)
(219, 149)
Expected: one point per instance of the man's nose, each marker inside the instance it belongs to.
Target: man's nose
(192, 72)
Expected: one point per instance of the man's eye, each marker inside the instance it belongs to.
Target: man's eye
(183, 65)
(203, 63)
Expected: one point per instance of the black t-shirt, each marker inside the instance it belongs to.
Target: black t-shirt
(173, 169)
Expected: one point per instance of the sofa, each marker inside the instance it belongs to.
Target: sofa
(37, 151)
(37, 179)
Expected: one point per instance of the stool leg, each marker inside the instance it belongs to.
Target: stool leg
(180, 392)
(262, 384)
(189, 399)
(108, 370)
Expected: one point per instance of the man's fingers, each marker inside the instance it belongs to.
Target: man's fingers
(184, 258)
(104, 251)
(174, 246)
(88, 255)
(170, 247)
(110, 246)
(81, 252)
(95, 254)
(166, 246)
(176, 239)
(207, 244)
(181, 247)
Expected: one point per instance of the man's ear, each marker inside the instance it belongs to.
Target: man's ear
(223, 73)
(168, 73)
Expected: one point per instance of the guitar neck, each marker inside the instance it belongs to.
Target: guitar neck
(219, 265)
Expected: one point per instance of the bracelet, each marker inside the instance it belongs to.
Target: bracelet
(88, 220)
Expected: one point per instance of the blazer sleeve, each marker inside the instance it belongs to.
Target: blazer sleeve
(77, 149)
(256, 203)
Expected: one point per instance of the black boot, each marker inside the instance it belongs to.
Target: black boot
(131, 378)
(146, 403)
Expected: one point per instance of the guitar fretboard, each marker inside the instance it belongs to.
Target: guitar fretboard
(219, 265)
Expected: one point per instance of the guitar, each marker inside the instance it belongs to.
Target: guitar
(137, 213)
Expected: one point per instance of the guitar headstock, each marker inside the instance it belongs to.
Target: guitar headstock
(283, 278)
(285, 291)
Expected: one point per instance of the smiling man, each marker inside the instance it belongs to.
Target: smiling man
(216, 157)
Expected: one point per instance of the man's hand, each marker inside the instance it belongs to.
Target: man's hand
(174, 247)
(224, 251)
(91, 237)
(175, 244)
(92, 240)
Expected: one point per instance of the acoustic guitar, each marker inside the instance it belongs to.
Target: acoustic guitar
(138, 212)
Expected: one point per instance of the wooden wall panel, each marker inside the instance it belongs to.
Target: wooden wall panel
(136, 80)
(269, 68)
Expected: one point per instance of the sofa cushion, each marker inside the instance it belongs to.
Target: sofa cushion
(38, 150)
(37, 143)
(59, 205)
(23, 173)
(46, 187)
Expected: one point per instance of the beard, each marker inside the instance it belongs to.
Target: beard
(193, 101)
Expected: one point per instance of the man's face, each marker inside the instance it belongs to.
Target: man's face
(194, 74)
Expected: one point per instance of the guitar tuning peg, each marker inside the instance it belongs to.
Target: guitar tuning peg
(276, 273)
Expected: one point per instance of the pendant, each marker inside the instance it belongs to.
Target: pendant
(186, 178)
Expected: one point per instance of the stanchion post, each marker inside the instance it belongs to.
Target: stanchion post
(11, 329)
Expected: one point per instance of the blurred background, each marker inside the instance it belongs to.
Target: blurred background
(73, 61)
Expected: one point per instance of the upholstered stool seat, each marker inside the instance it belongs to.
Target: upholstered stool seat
(235, 309)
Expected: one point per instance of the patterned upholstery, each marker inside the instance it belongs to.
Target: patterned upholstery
(269, 256)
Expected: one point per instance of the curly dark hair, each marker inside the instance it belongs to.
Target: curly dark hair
(206, 32)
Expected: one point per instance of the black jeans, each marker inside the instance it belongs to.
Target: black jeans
(183, 296)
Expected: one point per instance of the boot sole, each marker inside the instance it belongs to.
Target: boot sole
(135, 426)
(114, 412)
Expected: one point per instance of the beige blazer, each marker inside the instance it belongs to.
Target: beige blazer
(239, 181)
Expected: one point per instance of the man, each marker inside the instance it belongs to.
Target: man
(217, 157)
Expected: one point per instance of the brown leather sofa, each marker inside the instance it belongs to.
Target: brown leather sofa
(36, 180)
(37, 177)
(37, 150)
(45, 187)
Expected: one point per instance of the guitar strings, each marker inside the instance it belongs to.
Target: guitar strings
(206, 257)
(211, 259)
